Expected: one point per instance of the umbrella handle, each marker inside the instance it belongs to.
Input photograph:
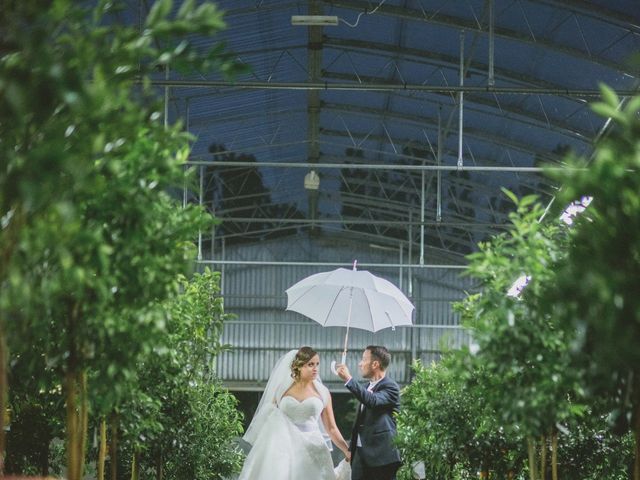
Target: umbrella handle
(333, 363)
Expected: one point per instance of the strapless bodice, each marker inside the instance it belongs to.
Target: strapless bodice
(303, 413)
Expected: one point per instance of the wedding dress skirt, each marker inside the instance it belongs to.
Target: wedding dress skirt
(290, 445)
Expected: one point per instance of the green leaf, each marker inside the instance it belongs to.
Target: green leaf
(158, 12)
(186, 9)
(606, 110)
(609, 96)
(632, 107)
(528, 200)
(510, 194)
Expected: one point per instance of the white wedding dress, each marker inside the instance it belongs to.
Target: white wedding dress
(287, 437)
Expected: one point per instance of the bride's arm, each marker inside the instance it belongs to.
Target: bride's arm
(330, 426)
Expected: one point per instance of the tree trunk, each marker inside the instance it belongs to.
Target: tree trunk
(113, 451)
(636, 432)
(531, 448)
(77, 420)
(159, 469)
(44, 458)
(102, 451)
(4, 386)
(76, 400)
(554, 454)
(8, 240)
(84, 420)
(543, 458)
(73, 430)
(134, 465)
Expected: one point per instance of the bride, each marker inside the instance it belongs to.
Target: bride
(292, 429)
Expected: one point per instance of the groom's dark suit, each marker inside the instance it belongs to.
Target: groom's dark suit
(377, 458)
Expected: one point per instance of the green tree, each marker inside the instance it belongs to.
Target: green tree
(591, 452)
(37, 413)
(446, 424)
(596, 287)
(90, 237)
(197, 418)
(518, 342)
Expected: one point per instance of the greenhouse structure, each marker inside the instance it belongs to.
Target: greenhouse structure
(171, 168)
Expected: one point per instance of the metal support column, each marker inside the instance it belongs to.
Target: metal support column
(461, 100)
(313, 103)
(422, 202)
(200, 202)
(439, 172)
(401, 260)
(491, 81)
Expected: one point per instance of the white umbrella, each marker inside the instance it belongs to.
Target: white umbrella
(350, 298)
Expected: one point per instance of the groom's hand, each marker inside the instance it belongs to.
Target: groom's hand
(343, 372)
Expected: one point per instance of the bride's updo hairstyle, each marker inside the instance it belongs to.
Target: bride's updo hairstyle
(302, 357)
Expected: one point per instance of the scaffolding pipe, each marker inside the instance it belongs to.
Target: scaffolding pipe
(306, 324)
(376, 166)
(401, 260)
(166, 97)
(461, 100)
(200, 202)
(410, 254)
(323, 264)
(569, 92)
(439, 171)
(354, 221)
(492, 81)
(223, 263)
(422, 209)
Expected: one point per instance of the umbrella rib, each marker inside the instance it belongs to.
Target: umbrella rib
(393, 325)
(301, 296)
(335, 299)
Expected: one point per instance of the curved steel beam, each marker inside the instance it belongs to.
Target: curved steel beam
(530, 118)
(459, 23)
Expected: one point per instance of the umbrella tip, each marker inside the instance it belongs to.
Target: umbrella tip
(355, 262)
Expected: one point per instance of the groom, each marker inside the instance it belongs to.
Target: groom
(373, 455)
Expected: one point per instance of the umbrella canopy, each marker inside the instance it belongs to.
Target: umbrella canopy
(350, 298)
(327, 298)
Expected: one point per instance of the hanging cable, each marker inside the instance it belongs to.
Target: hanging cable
(360, 15)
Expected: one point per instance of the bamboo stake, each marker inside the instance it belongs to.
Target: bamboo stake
(636, 462)
(3, 394)
(531, 448)
(73, 384)
(72, 428)
(8, 240)
(102, 452)
(114, 447)
(134, 466)
(543, 458)
(159, 468)
(84, 421)
(554, 455)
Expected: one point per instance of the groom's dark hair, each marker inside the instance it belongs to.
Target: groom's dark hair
(381, 354)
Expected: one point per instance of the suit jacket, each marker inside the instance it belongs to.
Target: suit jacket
(375, 422)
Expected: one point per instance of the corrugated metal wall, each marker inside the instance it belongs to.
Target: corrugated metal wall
(263, 330)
